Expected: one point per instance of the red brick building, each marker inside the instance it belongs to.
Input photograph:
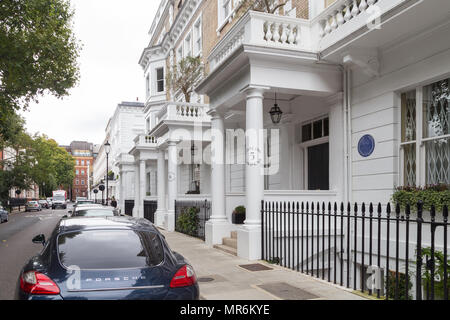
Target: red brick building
(83, 154)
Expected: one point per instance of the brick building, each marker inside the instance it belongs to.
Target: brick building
(83, 153)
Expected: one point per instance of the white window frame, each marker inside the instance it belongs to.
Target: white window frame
(198, 37)
(222, 18)
(159, 80)
(179, 54)
(313, 142)
(421, 161)
(289, 10)
(187, 45)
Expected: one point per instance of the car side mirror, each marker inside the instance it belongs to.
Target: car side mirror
(64, 217)
(39, 239)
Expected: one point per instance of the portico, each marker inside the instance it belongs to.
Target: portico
(302, 158)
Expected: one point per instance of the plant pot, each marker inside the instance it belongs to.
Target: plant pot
(238, 218)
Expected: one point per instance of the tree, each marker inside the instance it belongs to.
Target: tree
(268, 6)
(54, 167)
(38, 54)
(17, 166)
(35, 160)
(185, 75)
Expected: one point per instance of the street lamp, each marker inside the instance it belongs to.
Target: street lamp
(107, 151)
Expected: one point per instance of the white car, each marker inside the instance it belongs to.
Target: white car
(33, 206)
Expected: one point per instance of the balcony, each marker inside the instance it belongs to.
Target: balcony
(182, 111)
(145, 141)
(264, 30)
(351, 19)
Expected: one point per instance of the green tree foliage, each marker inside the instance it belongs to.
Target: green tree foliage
(36, 160)
(185, 75)
(17, 165)
(38, 54)
(54, 166)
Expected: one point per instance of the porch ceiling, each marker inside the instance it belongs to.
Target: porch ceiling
(288, 72)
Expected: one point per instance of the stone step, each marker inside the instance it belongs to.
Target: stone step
(226, 249)
(230, 242)
(234, 234)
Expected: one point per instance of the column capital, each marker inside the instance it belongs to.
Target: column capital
(216, 114)
(172, 143)
(254, 91)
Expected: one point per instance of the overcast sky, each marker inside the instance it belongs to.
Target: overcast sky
(114, 34)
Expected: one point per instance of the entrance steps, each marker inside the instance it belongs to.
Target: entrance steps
(229, 245)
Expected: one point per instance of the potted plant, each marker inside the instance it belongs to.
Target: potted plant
(238, 216)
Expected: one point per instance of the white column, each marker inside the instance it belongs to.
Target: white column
(142, 185)
(218, 226)
(249, 236)
(136, 190)
(173, 186)
(161, 211)
(123, 181)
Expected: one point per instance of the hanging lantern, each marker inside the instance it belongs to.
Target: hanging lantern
(275, 112)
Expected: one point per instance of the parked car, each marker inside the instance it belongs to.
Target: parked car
(93, 211)
(116, 258)
(3, 214)
(44, 204)
(33, 206)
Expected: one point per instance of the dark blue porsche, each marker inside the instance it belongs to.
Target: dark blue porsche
(103, 258)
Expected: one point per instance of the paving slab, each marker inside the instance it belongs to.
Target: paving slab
(231, 281)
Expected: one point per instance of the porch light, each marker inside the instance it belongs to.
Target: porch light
(275, 112)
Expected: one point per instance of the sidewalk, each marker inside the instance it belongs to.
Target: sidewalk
(221, 276)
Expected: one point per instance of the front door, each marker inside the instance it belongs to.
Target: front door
(318, 167)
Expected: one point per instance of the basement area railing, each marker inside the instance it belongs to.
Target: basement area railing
(400, 254)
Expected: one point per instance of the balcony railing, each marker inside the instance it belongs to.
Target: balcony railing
(262, 29)
(182, 111)
(346, 16)
(144, 140)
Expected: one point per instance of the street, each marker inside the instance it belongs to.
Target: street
(16, 246)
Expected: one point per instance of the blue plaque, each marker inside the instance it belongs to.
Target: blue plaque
(366, 146)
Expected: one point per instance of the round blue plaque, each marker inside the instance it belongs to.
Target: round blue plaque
(366, 145)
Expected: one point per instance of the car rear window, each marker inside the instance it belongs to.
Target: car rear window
(94, 213)
(110, 249)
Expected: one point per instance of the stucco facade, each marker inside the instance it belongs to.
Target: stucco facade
(349, 80)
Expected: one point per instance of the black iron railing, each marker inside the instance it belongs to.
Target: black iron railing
(191, 216)
(397, 255)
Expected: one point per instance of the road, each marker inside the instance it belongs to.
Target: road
(16, 246)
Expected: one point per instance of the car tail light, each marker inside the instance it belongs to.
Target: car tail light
(36, 283)
(184, 277)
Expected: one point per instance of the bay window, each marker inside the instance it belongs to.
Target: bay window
(425, 134)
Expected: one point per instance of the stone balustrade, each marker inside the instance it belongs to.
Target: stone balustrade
(341, 12)
(145, 140)
(182, 111)
(265, 30)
